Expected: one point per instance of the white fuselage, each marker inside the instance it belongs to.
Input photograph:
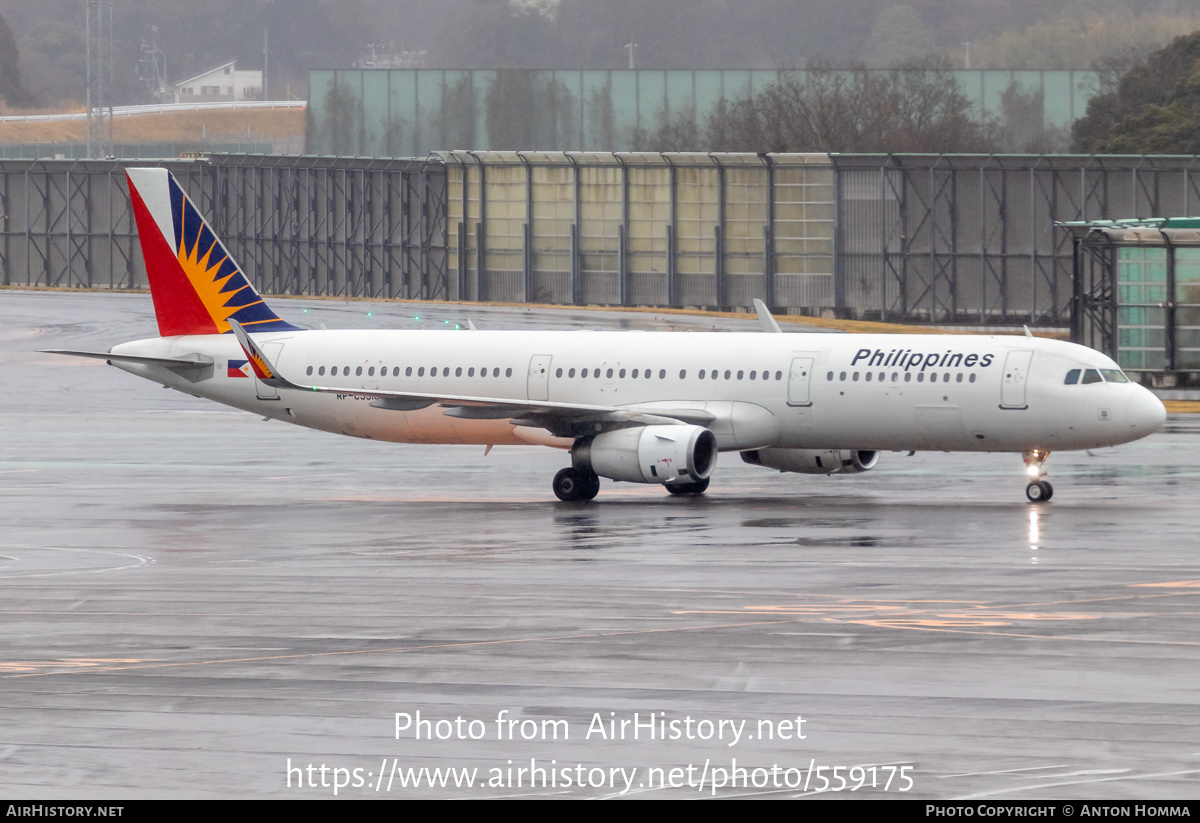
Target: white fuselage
(809, 391)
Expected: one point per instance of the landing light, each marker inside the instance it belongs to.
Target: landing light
(1032, 470)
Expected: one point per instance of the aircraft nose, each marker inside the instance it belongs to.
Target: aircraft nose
(1145, 413)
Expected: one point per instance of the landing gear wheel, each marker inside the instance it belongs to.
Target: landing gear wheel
(1039, 491)
(688, 489)
(570, 485)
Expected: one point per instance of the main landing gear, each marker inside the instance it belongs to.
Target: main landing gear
(571, 484)
(1039, 489)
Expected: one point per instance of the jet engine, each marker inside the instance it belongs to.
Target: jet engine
(813, 461)
(649, 454)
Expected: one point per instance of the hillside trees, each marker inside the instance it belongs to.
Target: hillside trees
(1155, 108)
(11, 88)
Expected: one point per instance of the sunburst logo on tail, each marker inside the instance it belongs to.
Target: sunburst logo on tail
(196, 285)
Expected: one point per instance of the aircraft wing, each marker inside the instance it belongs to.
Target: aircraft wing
(561, 419)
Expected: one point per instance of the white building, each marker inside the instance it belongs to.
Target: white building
(224, 82)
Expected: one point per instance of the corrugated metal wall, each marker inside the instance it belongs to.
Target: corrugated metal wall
(642, 229)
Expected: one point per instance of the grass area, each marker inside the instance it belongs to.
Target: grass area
(219, 125)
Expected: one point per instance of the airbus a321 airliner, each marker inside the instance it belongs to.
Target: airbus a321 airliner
(630, 406)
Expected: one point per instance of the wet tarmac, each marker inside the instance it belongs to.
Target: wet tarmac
(201, 604)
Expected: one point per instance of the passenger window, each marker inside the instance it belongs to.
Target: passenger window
(557, 373)
(829, 376)
(855, 377)
(371, 372)
(933, 377)
(496, 371)
(608, 373)
(972, 377)
(635, 374)
(921, 377)
(321, 371)
(662, 374)
(621, 374)
(959, 378)
(740, 373)
(471, 372)
(842, 377)
(868, 377)
(908, 377)
(753, 375)
(358, 371)
(421, 372)
(727, 374)
(778, 375)
(508, 372)
(571, 373)
(1091, 376)
(1072, 377)
(446, 371)
(408, 371)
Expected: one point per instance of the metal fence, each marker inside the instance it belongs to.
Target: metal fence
(296, 224)
(915, 238)
(966, 238)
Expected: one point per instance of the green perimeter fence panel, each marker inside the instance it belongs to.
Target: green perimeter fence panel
(411, 112)
(1137, 292)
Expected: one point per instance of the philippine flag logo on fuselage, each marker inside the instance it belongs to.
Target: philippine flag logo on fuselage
(238, 368)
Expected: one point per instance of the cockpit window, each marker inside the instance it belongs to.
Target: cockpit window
(1114, 376)
(1072, 377)
(1091, 376)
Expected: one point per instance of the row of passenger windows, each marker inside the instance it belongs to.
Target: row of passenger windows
(646, 374)
(408, 372)
(583, 374)
(1095, 376)
(908, 377)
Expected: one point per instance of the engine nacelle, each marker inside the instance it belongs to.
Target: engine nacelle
(649, 454)
(813, 461)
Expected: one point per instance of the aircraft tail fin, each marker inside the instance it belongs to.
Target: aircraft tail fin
(196, 285)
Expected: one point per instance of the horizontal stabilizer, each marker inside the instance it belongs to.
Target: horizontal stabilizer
(193, 361)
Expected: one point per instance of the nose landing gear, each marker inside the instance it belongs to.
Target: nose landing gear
(1039, 490)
